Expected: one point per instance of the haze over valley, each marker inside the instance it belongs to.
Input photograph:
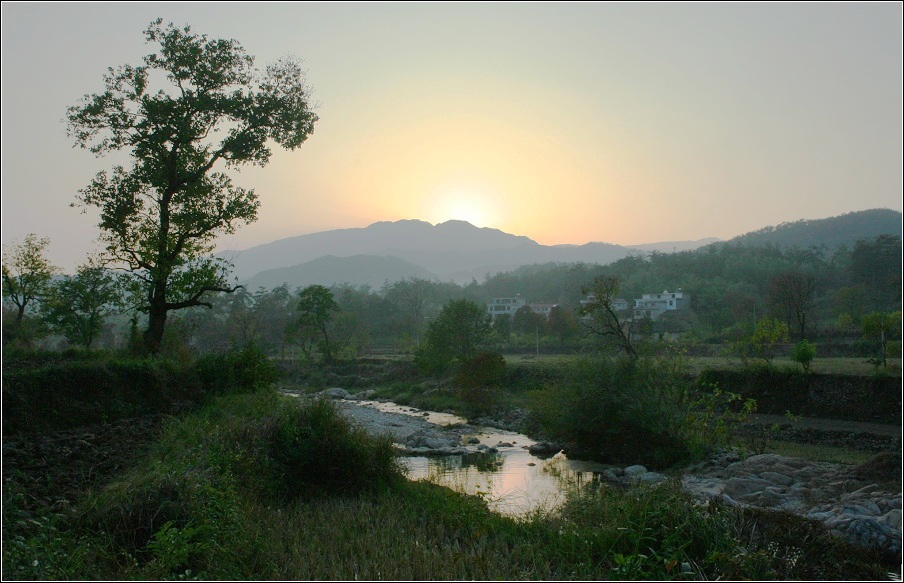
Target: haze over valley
(460, 252)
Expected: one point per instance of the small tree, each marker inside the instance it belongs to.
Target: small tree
(458, 333)
(194, 105)
(77, 305)
(885, 325)
(26, 273)
(315, 310)
(603, 319)
(762, 343)
(803, 353)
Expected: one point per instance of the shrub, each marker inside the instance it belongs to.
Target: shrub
(236, 371)
(622, 410)
(182, 509)
(478, 381)
(803, 353)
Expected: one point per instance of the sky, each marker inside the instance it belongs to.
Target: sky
(623, 123)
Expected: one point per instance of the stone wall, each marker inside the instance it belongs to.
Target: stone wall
(849, 398)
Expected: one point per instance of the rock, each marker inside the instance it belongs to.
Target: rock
(335, 393)
(651, 478)
(364, 395)
(473, 440)
(777, 478)
(544, 448)
(635, 471)
(424, 438)
(738, 487)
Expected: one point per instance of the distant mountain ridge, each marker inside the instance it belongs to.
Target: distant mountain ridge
(356, 270)
(458, 251)
(832, 232)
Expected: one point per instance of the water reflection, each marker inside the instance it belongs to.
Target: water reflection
(512, 480)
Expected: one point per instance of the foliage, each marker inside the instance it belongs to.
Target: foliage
(525, 321)
(27, 275)
(462, 328)
(69, 392)
(803, 353)
(48, 391)
(876, 264)
(315, 307)
(626, 410)
(182, 509)
(478, 381)
(160, 217)
(236, 371)
(77, 305)
(762, 343)
(885, 325)
(715, 415)
(791, 298)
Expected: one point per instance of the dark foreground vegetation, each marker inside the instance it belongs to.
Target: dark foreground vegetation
(212, 474)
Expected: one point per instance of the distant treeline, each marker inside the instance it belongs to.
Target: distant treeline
(731, 286)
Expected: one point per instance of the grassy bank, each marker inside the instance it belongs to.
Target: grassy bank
(258, 486)
(250, 484)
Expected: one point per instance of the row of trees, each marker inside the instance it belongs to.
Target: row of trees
(399, 315)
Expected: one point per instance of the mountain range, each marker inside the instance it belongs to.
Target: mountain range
(458, 251)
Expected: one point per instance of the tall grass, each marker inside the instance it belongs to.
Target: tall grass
(260, 487)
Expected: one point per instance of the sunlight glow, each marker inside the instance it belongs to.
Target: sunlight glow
(463, 204)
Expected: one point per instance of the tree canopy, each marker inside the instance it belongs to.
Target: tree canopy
(195, 105)
(26, 272)
(462, 328)
(315, 310)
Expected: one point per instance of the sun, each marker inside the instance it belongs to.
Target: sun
(463, 204)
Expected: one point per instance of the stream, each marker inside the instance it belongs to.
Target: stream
(512, 480)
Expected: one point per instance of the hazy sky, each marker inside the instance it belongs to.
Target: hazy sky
(568, 123)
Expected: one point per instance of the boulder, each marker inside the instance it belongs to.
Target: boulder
(544, 448)
(336, 393)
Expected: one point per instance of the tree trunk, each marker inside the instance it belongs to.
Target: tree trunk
(153, 336)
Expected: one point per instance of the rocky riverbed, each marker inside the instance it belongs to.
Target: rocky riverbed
(863, 504)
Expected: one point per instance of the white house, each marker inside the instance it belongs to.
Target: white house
(499, 306)
(654, 305)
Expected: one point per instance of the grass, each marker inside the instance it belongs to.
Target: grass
(819, 453)
(697, 364)
(835, 365)
(258, 487)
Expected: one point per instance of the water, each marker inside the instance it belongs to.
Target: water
(512, 481)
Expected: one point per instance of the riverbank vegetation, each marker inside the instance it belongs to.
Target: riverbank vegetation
(256, 485)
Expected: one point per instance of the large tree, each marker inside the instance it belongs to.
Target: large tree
(195, 105)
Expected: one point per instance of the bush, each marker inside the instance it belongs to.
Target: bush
(618, 411)
(236, 371)
(182, 509)
(803, 353)
(478, 381)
